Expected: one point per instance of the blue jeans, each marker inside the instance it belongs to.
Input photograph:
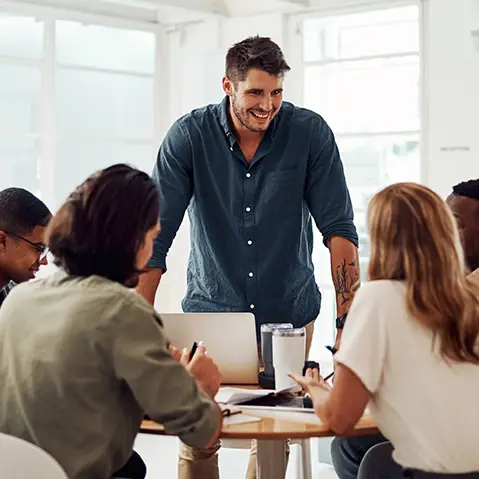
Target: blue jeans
(348, 452)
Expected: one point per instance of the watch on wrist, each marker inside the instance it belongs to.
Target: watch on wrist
(340, 320)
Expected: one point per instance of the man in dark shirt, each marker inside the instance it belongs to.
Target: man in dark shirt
(23, 219)
(254, 172)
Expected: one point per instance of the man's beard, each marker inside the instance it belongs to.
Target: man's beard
(243, 121)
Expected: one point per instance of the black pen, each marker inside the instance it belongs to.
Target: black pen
(332, 349)
(329, 376)
(193, 350)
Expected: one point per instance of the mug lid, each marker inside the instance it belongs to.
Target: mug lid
(267, 328)
(289, 332)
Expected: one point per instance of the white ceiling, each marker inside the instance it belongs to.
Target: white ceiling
(180, 11)
(174, 11)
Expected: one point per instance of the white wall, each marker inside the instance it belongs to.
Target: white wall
(451, 95)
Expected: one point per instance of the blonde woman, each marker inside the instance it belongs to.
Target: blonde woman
(409, 347)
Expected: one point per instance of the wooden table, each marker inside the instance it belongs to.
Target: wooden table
(271, 432)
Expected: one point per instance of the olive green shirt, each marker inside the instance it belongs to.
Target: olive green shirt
(81, 361)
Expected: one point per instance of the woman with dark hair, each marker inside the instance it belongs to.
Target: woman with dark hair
(82, 357)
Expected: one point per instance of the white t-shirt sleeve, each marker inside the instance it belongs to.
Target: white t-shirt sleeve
(364, 340)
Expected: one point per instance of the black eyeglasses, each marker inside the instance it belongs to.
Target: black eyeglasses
(41, 249)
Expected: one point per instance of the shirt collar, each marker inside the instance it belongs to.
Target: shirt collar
(223, 117)
(5, 290)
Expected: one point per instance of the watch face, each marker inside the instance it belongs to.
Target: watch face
(340, 321)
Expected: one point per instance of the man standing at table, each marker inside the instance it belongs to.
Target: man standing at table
(253, 172)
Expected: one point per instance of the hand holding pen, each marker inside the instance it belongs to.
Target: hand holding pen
(203, 369)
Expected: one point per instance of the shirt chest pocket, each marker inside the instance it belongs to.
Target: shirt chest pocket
(282, 191)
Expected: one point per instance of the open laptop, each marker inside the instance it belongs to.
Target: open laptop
(230, 339)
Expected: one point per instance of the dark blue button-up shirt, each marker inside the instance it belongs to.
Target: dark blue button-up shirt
(250, 224)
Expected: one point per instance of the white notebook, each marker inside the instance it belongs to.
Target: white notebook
(236, 396)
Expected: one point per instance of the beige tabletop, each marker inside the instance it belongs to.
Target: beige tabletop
(275, 427)
(271, 431)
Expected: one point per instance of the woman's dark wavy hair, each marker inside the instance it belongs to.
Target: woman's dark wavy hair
(102, 225)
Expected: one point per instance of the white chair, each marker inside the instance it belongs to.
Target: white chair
(304, 467)
(20, 459)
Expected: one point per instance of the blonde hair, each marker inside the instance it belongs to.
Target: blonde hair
(414, 238)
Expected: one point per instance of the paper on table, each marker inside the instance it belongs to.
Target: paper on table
(239, 419)
(294, 416)
(235, 395)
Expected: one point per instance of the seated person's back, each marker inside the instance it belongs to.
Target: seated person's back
(82, 357)
(410, 343)
(424, 405)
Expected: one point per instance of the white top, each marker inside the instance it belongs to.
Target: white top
(428, 409)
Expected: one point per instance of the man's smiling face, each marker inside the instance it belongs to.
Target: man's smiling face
(256, 100)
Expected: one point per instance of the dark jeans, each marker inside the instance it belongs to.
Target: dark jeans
(348, 452)
(435, 475)
(135, 468)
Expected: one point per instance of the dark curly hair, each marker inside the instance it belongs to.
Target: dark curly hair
(102, 225)
(255, 52)
(467, 188)
(21, 211)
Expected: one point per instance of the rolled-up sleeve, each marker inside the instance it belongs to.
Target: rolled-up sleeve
(173, 176)
(161, 386)
(326, 192)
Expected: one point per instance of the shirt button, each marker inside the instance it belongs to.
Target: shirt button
(251, 306)
(250, 274)
(248, 175)
(250, 242)
(248, 209)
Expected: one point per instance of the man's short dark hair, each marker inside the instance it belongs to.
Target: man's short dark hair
(101, 227)
(21, 211)
(255, 52)
(470, 189)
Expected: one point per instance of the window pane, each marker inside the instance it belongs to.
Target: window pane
(104, 104)
(379, 32)
(21, 36)
(77, 160)
(371, 163)
(19, 98)
(380, 39)
(105, 47)
(366, 96)
(20, 161)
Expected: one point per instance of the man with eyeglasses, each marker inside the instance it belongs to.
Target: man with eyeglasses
(23, 220)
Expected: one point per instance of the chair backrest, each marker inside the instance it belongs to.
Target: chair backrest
(21, 460)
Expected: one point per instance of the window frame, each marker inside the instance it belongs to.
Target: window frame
(48, 135)
(295, 47)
